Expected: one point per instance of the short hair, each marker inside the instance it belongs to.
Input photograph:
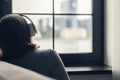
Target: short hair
(14, 34)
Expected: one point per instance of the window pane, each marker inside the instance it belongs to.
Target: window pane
(32, 6)
(73, 34)
(44, 27)
(73, 6)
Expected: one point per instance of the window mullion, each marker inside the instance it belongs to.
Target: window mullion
(53, 31)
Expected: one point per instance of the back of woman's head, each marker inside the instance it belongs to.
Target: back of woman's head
(14, 33)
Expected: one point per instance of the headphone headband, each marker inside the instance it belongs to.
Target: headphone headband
(32, 28)
(26, 17)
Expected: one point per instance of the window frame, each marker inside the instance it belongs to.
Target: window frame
(96, 58)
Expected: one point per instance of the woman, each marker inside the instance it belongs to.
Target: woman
(18, 49)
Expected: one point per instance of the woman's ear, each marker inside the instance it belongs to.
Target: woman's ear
(1, 53)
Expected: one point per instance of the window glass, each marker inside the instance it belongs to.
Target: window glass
(32, 6)
(73, 6)
(73, 34)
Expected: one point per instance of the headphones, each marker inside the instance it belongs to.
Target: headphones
(31, 26)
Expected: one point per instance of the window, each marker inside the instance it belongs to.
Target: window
(74, 28)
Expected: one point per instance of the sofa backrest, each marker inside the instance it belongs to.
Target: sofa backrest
(12, 72)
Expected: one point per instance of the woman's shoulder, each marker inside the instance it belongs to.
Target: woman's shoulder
(36, 55)
(48, 53)
(41, 55)
(44, 52)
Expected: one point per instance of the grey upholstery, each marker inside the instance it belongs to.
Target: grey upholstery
(11, 72)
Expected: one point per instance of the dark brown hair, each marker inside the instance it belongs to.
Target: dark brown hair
(15, 39)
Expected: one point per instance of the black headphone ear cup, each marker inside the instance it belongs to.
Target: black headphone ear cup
(32, 29)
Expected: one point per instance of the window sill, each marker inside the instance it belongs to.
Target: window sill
(88, 70)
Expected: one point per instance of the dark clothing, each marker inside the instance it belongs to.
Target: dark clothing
(46, 62)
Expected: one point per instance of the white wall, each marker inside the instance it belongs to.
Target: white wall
(112, 53)
(116, 39)
(108, 32)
